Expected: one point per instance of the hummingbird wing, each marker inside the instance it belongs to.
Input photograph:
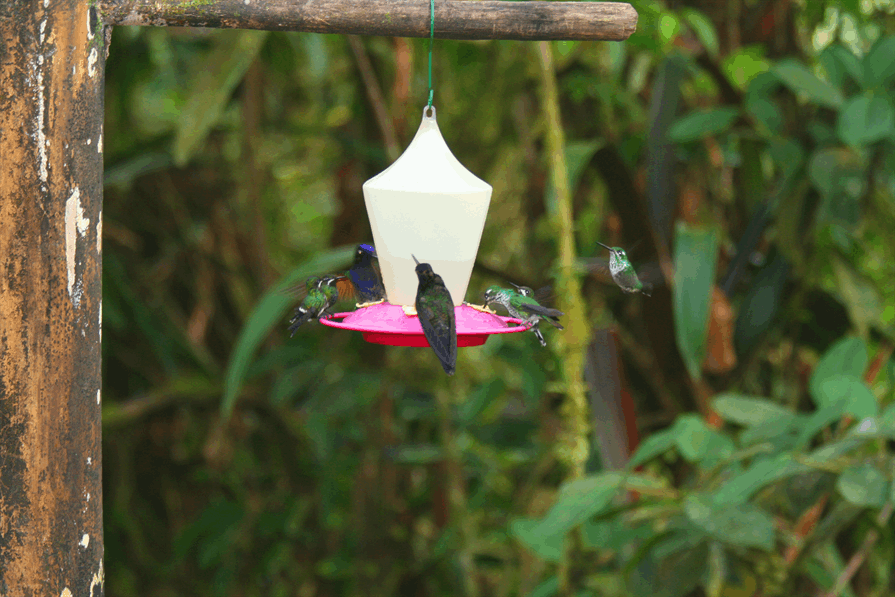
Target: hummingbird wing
(549, 315)
(341, 283)
(436, 314)
(648, 272)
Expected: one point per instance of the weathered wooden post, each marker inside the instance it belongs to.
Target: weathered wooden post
(52, 57)
(52, 60)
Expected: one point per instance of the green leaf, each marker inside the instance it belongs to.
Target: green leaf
(865, 120)
(863, 485)
(742, 525)
(809, 426)
(578, 155)
(415, 453)
(698, 442)
(802, 81)
(268, 313)
(847, 392)
(529, 532)
(478, 400)
(703, 123)
(652, 446)
(839, 61)
(580, 499)
(221, 72)
(695, 255)
(848, 357)
(762, 472)
(879, 63)
(860, 295)
(748, 410)
(704, 30)
(886, 422)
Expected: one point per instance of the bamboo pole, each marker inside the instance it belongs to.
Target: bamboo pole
(481, 19)
(52, 60)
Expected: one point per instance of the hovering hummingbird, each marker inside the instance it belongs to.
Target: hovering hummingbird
(520, 303)
(368, 286)
(322, 294)
(435, 309)
(623, 272)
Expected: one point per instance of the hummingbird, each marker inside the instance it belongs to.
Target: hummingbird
(322, 294)
(520, 303)
(367, 284)
(623, 272)
(435, 309)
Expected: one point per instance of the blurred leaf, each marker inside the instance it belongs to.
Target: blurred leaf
(800, 80)
(847, 390)
(879, 63)
(822, 417)
(415, 454)
(672, 568)
(578, 154)
(863, 485)
(479, 399)
(219, 74)
(652, 446)
(703, 28)
(703, 123)
(745, 65)
(839, 61)
(695, 256)
(269, 311)
(748, 410)
(580, 499)
(848, 357)
(548, 588)
(529, 531)
(697, 441)
(859, 295)
(764, 471)
(742, 525)
(865, 120)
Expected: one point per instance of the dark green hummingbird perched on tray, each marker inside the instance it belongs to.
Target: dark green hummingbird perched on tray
(322, 294)
(623, 272)
(435, 308)
(521, 304)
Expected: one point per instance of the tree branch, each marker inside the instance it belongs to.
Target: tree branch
(611, 21)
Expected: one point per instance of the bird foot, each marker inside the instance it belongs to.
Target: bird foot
(370, 304)
(482, 308)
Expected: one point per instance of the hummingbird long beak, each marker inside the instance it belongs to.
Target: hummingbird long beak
(415, 259)
(604, 246)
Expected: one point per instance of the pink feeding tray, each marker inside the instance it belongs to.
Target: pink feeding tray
(387, 324)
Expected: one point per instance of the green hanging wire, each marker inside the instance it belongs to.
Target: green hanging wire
(431, 39)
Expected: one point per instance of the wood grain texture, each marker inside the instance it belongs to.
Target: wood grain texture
(613, 21)
(52, 56)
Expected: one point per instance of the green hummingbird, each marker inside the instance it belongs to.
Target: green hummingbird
(435, 309)
(521, 304)
(623, 272)
(322, 294)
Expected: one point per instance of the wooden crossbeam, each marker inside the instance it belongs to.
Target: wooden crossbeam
(480, 19)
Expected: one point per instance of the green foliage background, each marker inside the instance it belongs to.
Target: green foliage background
(745, 157)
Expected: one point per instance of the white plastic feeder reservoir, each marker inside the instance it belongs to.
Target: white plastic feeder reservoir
(428, 205)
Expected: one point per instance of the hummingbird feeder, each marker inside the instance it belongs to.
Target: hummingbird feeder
(429, 205)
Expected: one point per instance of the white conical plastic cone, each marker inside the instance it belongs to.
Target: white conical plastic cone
(428, 205)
